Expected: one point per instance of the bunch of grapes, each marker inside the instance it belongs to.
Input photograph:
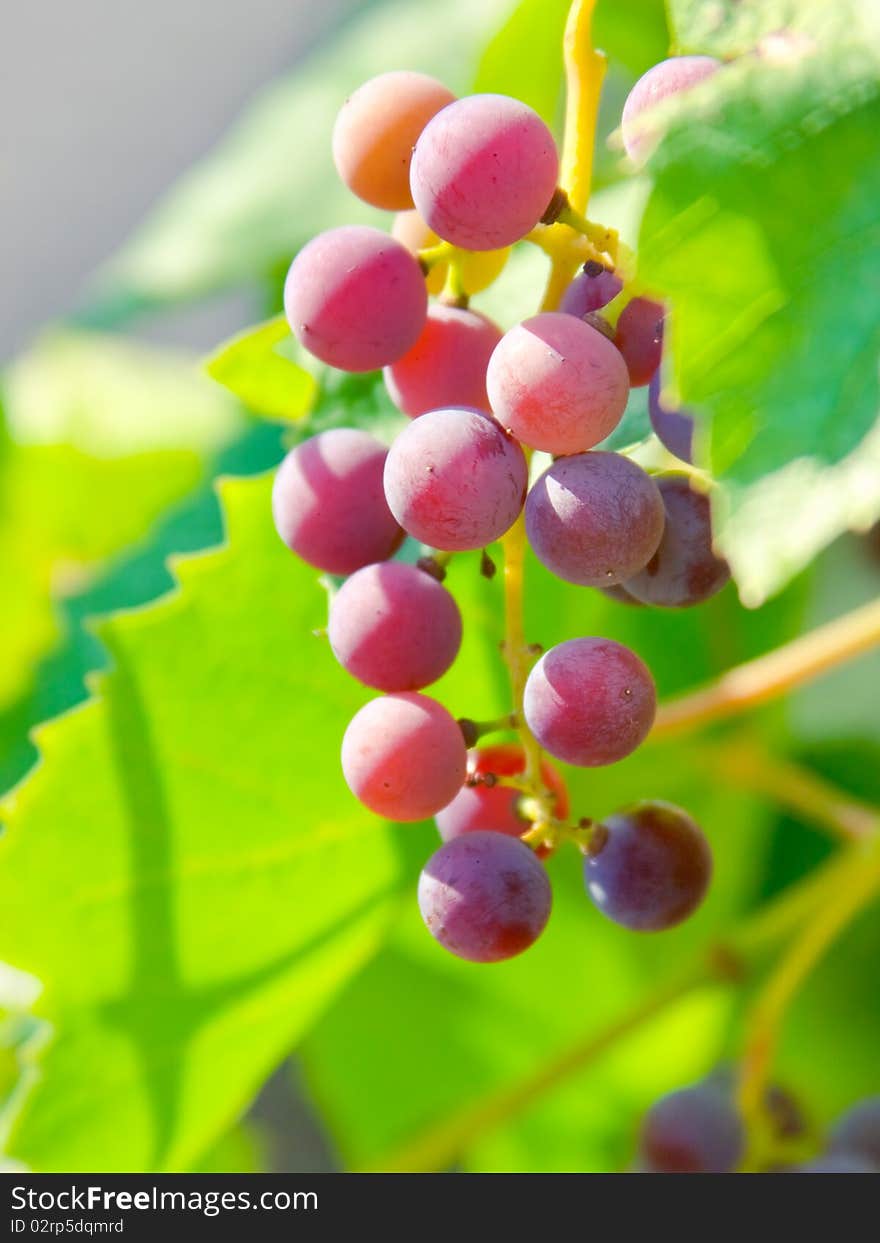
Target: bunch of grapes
(470, 178)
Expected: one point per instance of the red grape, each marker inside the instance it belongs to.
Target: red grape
(639, 337)
(684, 570)
(662, 81)
(447, 365)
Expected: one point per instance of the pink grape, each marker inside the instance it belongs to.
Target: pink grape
(668, 78)
(484, 171)
(594, 518)
(639, 337)
(684, 570)
(557, 383)
(355, 298)
(673, 428)
(393, 627)
(590, 290)
(447, 365)
(484, 896)
(404, 756)
(590, 701)
(329, 504)
(376, 130)
(455, 480)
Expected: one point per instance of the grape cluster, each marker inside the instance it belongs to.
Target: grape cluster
(470, 178)
(699, 1130)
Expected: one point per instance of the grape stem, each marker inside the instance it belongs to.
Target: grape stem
(584, 74)
(759, 681)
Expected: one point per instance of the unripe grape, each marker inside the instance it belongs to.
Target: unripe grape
(329, 504)
(693, 1131)
(484, 171)
(590, 701)
(404, 756)
(355, 298)
(376, 130)
(639, 337)
(557, 384)
(673, 428)
(594, 518)
(684, 570)
(477, 269)
(394, 627)
(484, 897)
(447, 365)
(668, 78)
(455, 480)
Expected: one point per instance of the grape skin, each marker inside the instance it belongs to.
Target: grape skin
(484, 896)
(404, 756)
(329, 504)
(454, 480)
(857, 1133)
(669, 77)
(639, 337)
(684, 570)
(394, 627)
(355, 298)
(484, 171)
(376, 130)
(693, 1131)
(651, 868)
(590, 701)
(447, 365)
(594, 519)
(496, 808)
(673, 428)
(557, 383)
(590, 290)
(476, 269)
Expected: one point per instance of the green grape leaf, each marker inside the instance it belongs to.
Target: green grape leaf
(524, 59)
(761, 229)
(102, 437)
(268, 383)
(211, 882)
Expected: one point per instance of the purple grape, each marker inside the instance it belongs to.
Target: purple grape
(857, 1133)
(594, 519)
(455, 480)
(484, 171)
(355, 298)
(376, 130)
(639, 337)
(590, 701)
(404, 756)
(836, 1163)
(670, 77)
(447, 365)
(673, 428)
(394, 627)
(329, 504)
(484, 896)
(557, 383)
(693, 1131)
(619, 594)
(590, 290)
(650, 868)
(684, 570)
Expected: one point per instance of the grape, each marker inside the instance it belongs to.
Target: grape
(557, 384)
(693, 1131)
(447, 365)
(836, 1163)
(355, 298)
(404, 756)
(394, 627)
(485, 897)
(590, 701)
(858, 1132)
(476, 269)
(639, 337)
(496, 808)
(454, 480)
(484, 171)
(376, 130)
(650, 868)
(592, 289)
(661, 82)
(329, 504)
(673, 428)
(620, 595)
(594, 519)
(684, 570)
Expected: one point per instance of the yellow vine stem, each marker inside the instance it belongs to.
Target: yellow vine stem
(856, 884)
(727, 960)
(584, 74)
(766, 678)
